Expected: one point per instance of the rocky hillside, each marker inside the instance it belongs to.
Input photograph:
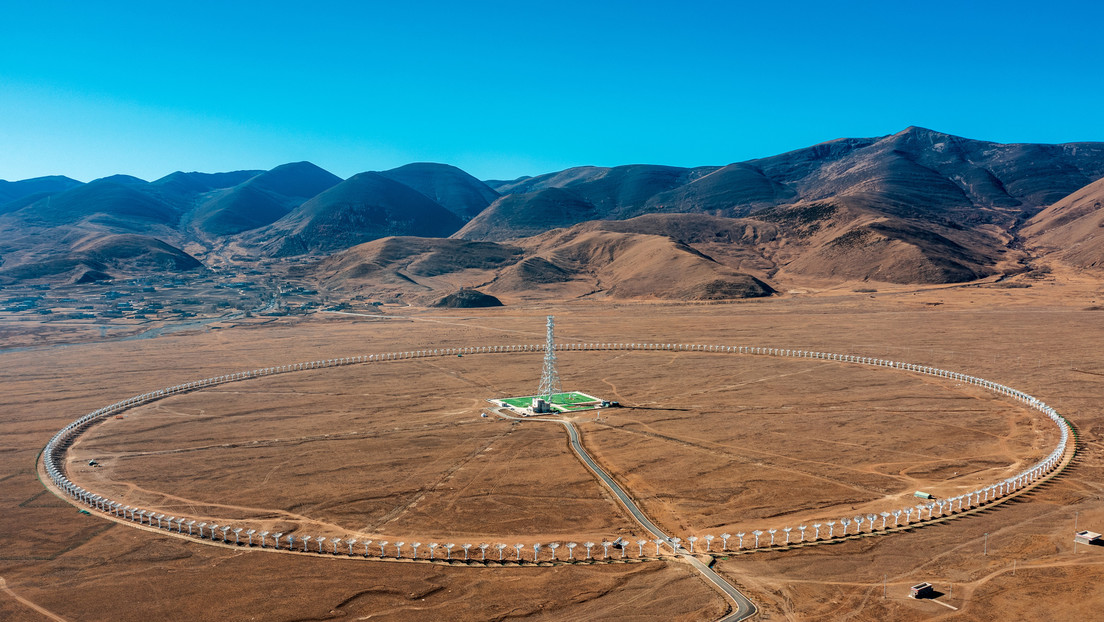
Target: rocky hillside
(1071, 230)
(916, 173)
(917, 206)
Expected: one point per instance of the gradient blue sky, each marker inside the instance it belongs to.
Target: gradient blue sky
(503, 89)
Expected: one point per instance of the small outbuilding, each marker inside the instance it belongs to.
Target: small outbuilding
(923, 495)
(921, 590)
(1086, 537)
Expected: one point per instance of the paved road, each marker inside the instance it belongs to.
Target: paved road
(744, 608)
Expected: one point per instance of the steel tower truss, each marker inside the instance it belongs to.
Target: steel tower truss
(550, 378)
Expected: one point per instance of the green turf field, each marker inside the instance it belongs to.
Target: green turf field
(561, 402)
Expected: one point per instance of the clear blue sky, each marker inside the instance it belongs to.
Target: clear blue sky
(503, 89)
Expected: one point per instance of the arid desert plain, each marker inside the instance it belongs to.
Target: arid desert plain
(705, 443)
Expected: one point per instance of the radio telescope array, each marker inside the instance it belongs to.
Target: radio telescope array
(55, 466)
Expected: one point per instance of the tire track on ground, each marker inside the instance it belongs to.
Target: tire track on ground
(49, 614)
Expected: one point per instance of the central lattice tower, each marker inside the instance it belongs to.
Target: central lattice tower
(550, 378)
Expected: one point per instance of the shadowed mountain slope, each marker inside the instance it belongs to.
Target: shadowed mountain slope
(625, 191)
(136, 250)
(102, 256)
(103, 227)
(449, 186)
(15, 190)
(734, 190)
(123, 207)
(181, 184)
(523, 215)
(574, 196)
(362, 208)
(260, 200)
(559, 179)
(122, 180)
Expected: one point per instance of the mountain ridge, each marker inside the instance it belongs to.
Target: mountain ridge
(261, 199)
(916, 206)
(914, 172)
(451, 187)
(365, 207)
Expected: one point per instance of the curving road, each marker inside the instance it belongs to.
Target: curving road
(744, 608)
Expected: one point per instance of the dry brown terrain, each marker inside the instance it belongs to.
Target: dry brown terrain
(389, 449)
(1071, 228)
(707, 443)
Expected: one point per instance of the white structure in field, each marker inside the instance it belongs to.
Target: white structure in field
(1086, 537)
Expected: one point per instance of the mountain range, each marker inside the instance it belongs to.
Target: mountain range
(917, 206)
